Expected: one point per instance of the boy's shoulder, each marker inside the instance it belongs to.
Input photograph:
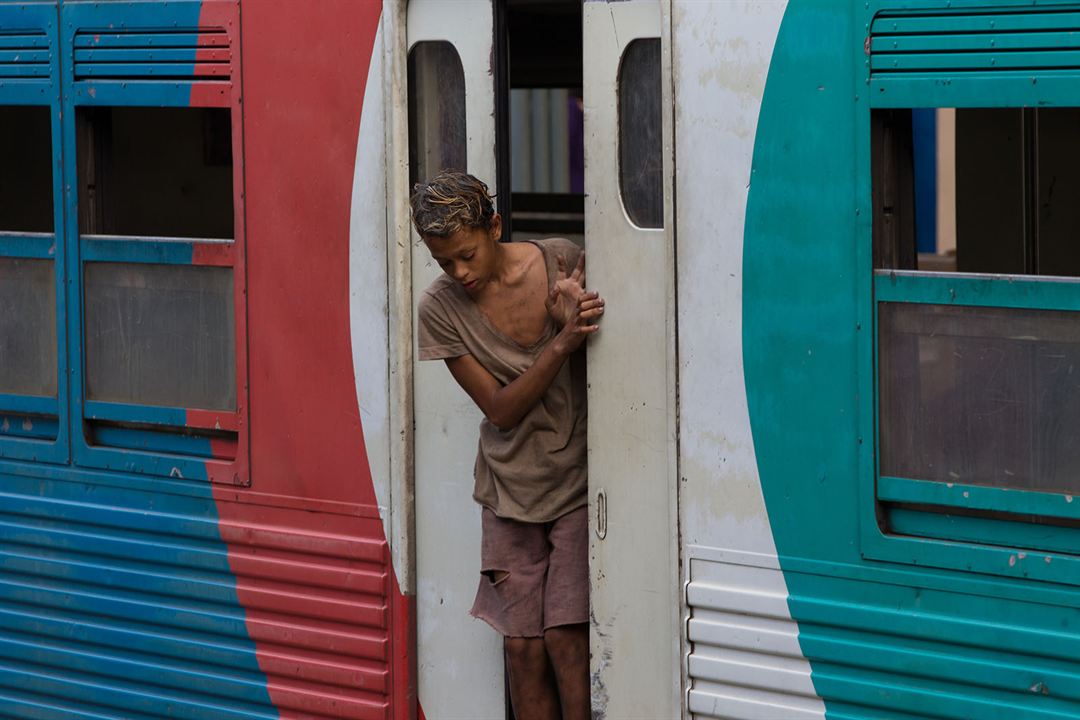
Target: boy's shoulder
(559, 246)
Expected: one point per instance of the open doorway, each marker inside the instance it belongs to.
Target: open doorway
(540, 118)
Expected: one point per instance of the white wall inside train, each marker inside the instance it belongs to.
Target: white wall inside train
(736, 595)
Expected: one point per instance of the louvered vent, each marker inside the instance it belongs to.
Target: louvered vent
(24, 54)
(976, 41)
(194, 54)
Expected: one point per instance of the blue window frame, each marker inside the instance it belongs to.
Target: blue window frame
(141, 268)
(33, 389)
(968, 404)
(145, 401)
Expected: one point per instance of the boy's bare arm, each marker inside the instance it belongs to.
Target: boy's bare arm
(506, 405)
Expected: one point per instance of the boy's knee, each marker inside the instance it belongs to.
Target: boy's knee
(567, 641)
(525, 651)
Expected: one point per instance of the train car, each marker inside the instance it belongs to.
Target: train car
(832, 405)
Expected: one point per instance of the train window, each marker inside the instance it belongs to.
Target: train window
(977, 190)
(980, 395)
(155, 172)
(132, 356)
(641, 162)
(437, 137)
(976, 305)
(27, 327)
(26, 185)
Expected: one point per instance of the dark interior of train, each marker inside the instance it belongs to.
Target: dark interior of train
(540, 126)
(1006, 206)
(26, 196)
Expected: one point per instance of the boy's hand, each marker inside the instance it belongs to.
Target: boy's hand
(566, 291)
(582, 322)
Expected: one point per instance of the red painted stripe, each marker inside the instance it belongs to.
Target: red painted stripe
(332, 632)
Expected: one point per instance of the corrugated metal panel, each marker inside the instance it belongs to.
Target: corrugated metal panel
(126, 604)
(975, 41)
(745, 661)
(192, 53)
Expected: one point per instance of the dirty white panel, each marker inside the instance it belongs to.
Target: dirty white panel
(722, 53)
(368, 283)
(635, 609)
(745, 662)
(459, 659)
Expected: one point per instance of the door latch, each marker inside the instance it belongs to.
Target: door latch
(601, 514)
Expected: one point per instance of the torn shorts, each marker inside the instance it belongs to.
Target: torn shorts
(534, 576)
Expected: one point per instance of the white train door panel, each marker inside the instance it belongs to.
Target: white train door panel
(628, 238)
(452, 104)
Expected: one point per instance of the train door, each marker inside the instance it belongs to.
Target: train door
(629, 241)
(451, 125)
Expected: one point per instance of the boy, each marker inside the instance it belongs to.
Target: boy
(507, 320)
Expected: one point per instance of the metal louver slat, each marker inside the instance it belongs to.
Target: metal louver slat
(977, 41)
(24, 55)
(187, 54)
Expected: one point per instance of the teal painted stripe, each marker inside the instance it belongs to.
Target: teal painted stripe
(971, 557)
(993, 671)
(962, 43)
(946, 62)
(984, 531)
(977, 497)
(954, 21)
(977, 290)
(888, 693)
(1011, 88)
(988, 627)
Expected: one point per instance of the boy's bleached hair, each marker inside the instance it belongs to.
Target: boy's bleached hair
(448, 202)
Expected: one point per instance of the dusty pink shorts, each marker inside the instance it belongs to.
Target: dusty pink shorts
(534, 576)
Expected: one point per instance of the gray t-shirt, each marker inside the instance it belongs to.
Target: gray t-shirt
(535, 471)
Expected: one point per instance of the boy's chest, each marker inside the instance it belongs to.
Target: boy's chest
(518, 312)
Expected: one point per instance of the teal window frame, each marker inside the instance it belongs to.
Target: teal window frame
(921, 530)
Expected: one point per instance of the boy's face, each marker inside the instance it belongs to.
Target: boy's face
(468, 255)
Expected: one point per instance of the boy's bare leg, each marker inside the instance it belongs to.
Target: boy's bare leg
(568, 648)
(532, 688)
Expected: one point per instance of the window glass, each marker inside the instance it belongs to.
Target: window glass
(640, 133)
(27, 327)
(26, 192)
(437, 139)
(980, 396)
(160, 335)
(977, 190)
(155, 172)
